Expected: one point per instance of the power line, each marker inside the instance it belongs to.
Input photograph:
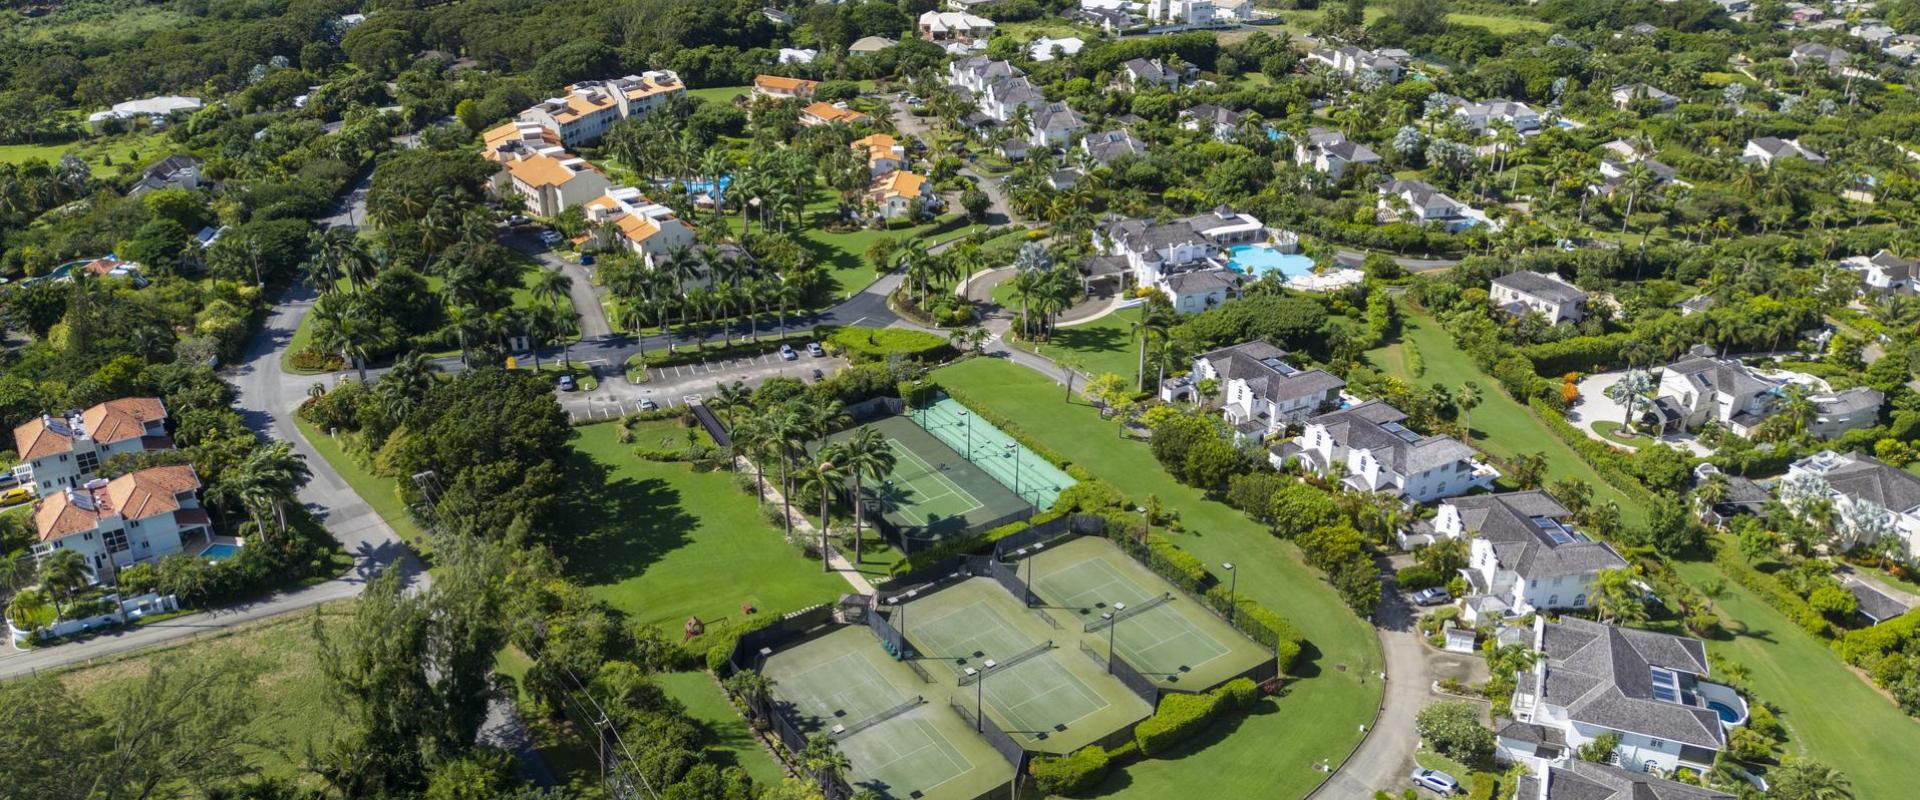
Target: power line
(606, 722)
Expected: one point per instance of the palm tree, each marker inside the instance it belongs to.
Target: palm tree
(1628, 392)
(266, 481)
(1800, 779)
(62, 573)
(468, 324)
(785, 433)
(730, 397)
(1155, 321)
(1467, 398)
(27, 607)
(406, 384)
(825, 760)
(551, 286)
(1796, 405)
(340, 324)
(865, 454)
(826, 472)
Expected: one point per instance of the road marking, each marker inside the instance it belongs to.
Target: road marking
(692, 399)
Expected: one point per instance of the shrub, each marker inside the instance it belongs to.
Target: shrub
(1454, 729)
(1180, 717)
(1239, 694)
(1184, 568)
(863, 345)
(1484, 784)
(1417, 578)
(1073, 774)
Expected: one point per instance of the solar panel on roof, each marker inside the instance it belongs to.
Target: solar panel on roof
(1401, 431)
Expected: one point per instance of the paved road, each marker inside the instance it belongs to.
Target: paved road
(586, 298)
(998, 211)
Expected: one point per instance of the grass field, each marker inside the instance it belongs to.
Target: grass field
(662, 542)
(1501, 426)
(1831, 712)
(378, 492)
(1098, 347)
(293, 709)
(1271, 753)
(734, 743)
(1298, 22)
(97, 153)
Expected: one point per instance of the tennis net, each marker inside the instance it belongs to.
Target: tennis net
(1109, 619)
(880, 717)
(1001, 666)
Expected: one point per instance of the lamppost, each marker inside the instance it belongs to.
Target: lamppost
(1014, 453)
(1233, 595)
(979, 695)
(967, 420)
(1113, 618)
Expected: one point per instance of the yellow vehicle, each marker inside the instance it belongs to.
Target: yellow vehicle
(15, 496)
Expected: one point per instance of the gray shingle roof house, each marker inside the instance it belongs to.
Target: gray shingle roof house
(1109, 145)
(1871, 498)
(1874, 605)
(1258, 385)
(1140, 73)
(1524, 554)
(1591, 679)
(1193, 291)
(1585, 780)
(1331, 152)
(1370, 449)
(1222, 123)
(1522, 292)
(1767, 149)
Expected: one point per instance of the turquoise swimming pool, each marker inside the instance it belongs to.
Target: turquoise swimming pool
(1259, 259)
(220, 552)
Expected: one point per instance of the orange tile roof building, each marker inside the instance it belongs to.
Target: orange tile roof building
(62, 451)
(830, 114)
(894, 195)
(884, 153)
(589, 108)
(139, 517)
(782, 88)
(625, 218)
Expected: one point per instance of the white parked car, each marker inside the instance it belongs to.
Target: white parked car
(550, 236)
(814, 349)
(1436, 781)
(787, 354)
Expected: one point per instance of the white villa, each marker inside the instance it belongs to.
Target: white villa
(1871, 499)
(61, 452)
(1261, 392)
(956, 28)
(1882, 273)
(1199, 13)
(1550, 295)
(1181, 258)
(1585, 780)
(1700, 389)
(1369, 449)
(1766, 150)
(1424, 205)
(1592, 679)
(1523, 554)
(1479, 117)
(1331, 152)
(625, 218)
(1388, 63)
(589, 108)
(139, 517)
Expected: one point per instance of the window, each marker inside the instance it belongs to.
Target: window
(116, 541)
(1553, 600)
(1656, 743)
(89, 461)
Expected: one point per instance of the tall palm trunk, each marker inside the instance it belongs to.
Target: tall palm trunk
(824, 565)
(859, 512)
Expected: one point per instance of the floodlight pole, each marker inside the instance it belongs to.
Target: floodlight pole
(1115, 616)
(979, 692)
(967, 419)
(1233, 595)
(1016, 468)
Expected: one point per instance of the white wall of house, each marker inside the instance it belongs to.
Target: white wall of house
(1555, 312)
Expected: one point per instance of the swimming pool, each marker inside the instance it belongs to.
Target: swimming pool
(1728, 714)
(220, 552)
(1260, 259)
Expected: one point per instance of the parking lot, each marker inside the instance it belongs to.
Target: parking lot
(685, 384)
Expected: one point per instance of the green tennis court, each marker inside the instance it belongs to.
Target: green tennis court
(932, 492)
(1051, 700)
(1036, 480)
(899, 748)
(1175, 642)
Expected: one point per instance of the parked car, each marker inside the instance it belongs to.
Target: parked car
(787, 354)
(567, 383)
(586, 259)
(647, 404)
(819, 376)
(1436, 781)
(814, 349)
(15, 496)
(1431, 596)
(518, 219)
(550, 236)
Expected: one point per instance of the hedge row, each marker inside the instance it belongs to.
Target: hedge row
(1605, 460)
(1288, 640)
(866, 345)
(1770, 590)
(1578, 354)
(1182, 716)
(1008, 426)
(971, 544)
(1076, 773)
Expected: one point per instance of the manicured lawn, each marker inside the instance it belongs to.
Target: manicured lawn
(720, 94)
(1320, 718)
(1299, 22)
(120, 150)
(380, 493)
(735, 744)
(663, 543)
(293, 710)
(843, 255)
(1832, 714)
(1101, 346)
(1501, 426)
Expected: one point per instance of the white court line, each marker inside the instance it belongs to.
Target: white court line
(951, 487)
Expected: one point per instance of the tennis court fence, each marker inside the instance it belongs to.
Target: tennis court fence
(795, 741)
(746, 651)
(1002, 743)
(891, 639)
(1139, 684)
(1036, 651)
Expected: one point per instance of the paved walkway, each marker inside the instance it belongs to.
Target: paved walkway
(804, 527)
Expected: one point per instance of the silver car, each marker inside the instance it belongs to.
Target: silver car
(1436, 781)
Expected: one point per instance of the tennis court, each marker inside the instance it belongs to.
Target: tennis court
(1049, 699)
(1162, 633)
(1036, 480)
(932, 492)
(897, 731)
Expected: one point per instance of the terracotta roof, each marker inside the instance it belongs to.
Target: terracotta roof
(876, 140)
(122, 419)
(191, 516)
(579, 106)
(778, 83)
(829, 112)
(540, 170)
(636, 228)
(42, 436)
(147, 493)
(901, 183)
